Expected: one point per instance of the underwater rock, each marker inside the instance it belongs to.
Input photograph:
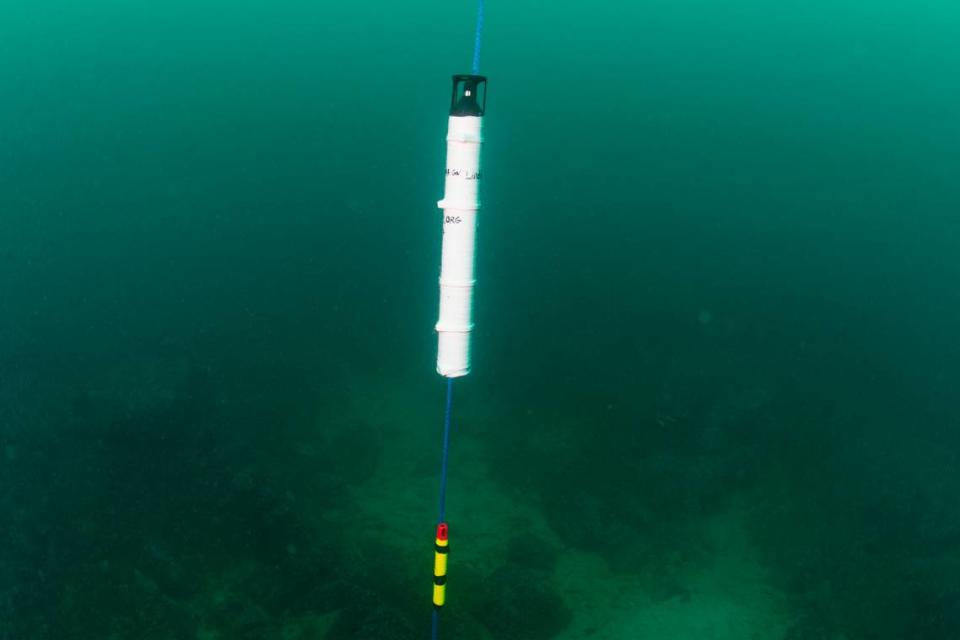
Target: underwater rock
(369, 620)
(520, 604)
(457, 623)
(385, 623)
(246, 621)
(580, 518)
(532, 552)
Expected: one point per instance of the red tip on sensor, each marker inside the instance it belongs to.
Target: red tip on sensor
(442, 531)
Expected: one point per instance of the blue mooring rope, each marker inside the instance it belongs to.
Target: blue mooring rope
(476, 39)
(434, 633)
(435, 623)
(446, 451)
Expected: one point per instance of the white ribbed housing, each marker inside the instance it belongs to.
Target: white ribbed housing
(460, 203)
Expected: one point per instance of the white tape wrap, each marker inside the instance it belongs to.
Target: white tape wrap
(460, 203)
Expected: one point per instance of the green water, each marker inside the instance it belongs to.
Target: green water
(716, 364)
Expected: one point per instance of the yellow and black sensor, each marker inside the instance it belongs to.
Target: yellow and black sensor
(441, 548)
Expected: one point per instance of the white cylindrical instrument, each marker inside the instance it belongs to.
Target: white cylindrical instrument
(461, 201)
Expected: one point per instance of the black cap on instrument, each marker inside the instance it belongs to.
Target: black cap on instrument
(469, 95)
